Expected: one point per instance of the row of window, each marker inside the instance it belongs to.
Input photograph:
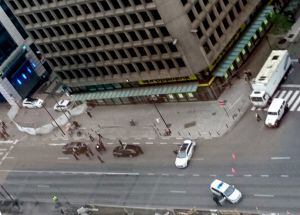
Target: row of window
(96, 24)
(93, 42)
(96, 6)
(112, 55)
(121, 69)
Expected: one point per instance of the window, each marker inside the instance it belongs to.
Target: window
(113, 55)
(180, 62)
(140, 67)
(170, 63)
(153, 33)
(49, 15)
(162, 48)
(122, 53)
(104, 23)
(191, 15)
(104, 55)
(67, 12)
(67, 29)
(133, 36)
(155, 14)
(77, 44)
(50, 32)
(212, 39)
(86, 26)
(86, 58)
(104, 40)
(104, 5)
(77, 73)
(103, 71)
(115, 4)
(69, 45)
(41, 17)
(123, 37)
(21, 2)
(134, 18)
(69, 59)
(95, 41)
(53, 62)
(42, 33)
(237, 7)
(131, 68)
(142, 51)
(94, 71)
(225, 23)
(132, 52)
(198, 7)
(152, 50)
(87, 10)
(13, 5)
(95, 57)
(86, 43)
(212, 16)
(124, 20)
(95, 7)
(126, 3)
(76, 27)
(34, 35)
(199, 33)
(205, 24)
(150, 65)
(58, 30)
(76, 10)
(145, 17)
(113, 70)
(95, 24)
(184, 2)
(143, 34)
(160, 65)
(218, 7)
(32, 18)
(231, 15)
(24, 20)
(61, 61)
(206, 48)
(137, 2)
(58, 14)
(114, 21)
(164, 31)
(77, 59)
(219, 31)
(225, 2)
(122, 69)
(172, 47)
(205, 2)
(62, 75)
(114, 39)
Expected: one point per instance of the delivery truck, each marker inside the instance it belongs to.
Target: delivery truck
(269, 77)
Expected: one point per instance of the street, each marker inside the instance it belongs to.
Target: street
(263, 163)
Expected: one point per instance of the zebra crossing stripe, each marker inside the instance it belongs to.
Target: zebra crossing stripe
(253, 108)
(282, 94)
(288, 95)
(295, 105)
(290, 102)
(276, 94)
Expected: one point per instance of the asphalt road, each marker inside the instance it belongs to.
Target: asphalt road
(263, 163)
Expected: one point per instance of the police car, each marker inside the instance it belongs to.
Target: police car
(226, 191)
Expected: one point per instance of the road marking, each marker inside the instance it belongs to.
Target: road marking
(71, 172)
(151, 138)
(178, 191)
(196, 175)
(284, 176)
(165, 138)
(136, 143)
(180, 174)
(288, 95)
(282, 94)
(199, 159)
(247, 175)
(109, 143)
(264, 195)
(63, 158)
(43, 186)
(165, 174)
(6, 141)
(57, 144)
(179, 138)
(264, 176)
(176, 143)
(229, 175)
(295, 105)
(148, 143)
(3, 149)
(150, 173)
(280, 158)
(212, 175)
(163, 143)
(10, 157)
(290, 102)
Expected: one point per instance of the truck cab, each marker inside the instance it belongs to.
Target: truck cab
(259, 98)
(276, 111)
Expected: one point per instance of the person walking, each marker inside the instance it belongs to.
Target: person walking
(91, 138)
(100, 159)
(89, 114)
(216, 199)
(99, 135)
(90, 151)
(74, 152)
(258, 118)
(5, 133)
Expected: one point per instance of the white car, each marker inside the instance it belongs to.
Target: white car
(226, 191)
(63, 104)
(184, 153)
(276, 111)
(32, 103)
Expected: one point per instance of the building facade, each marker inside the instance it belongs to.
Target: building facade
(20, 71)
(136, 51)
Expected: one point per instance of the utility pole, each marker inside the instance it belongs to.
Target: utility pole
(54, 120)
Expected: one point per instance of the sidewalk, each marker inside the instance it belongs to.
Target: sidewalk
(194, 120)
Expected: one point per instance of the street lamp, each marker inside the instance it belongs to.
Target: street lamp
(54, 120)
(167, 126)
(64, 112)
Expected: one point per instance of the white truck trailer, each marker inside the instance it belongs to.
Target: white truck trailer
(268, 79)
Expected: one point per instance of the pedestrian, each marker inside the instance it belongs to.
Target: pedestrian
(89, 114)
(3, 125)
(5, 133)
(121, 143)
(90, 151)
(16, 203)
(2, 136)
(99, 135)
(102, 147)
(75, 154)
(87, 154)
(216, 199)
(91, 138)
(100, 159)
(258, 118)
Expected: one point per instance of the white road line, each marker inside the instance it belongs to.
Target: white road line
(150, 173)
(280, 158)
(229, 175)
(247, 175)
(178, 191)
(165, 174)
(72, 172)
(196, 175)
(10, 157)
(165, 138)
(180, 174)
(179, 138)
(43, 186)
(6, 141)
(163, 143)
(109, 143)
(149, 143)
(295, 105)
(276, 94)
(63, 158)
(3, 149)
(136, 143)
(151, 138)
(288, 95)
(199, 159)
(176, 143)
(212, 175)
(57, 144)
(264, 176)
(282, 94)
(290, 102)
(263, 195)
(1, 153)
(284, 176)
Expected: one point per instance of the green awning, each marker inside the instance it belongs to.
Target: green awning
(242, 42)
(141, 91)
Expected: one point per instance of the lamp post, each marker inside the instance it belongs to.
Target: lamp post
(54, 120)
(160, 115)
(64, 112)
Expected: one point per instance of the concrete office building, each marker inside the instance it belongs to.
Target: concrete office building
(135, 51)
(21, 72)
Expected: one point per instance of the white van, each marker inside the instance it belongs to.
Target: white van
(276, 111)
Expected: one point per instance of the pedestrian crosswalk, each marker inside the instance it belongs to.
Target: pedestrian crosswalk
(292, 96)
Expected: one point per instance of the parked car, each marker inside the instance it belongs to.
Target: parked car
(127, 150)
(78, 146)
(32, 103)
(276, 112)
(63, 104)
(225, 191)
(185, 153)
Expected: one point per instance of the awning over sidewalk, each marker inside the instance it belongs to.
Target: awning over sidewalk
(242, 42)
(142, 91)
